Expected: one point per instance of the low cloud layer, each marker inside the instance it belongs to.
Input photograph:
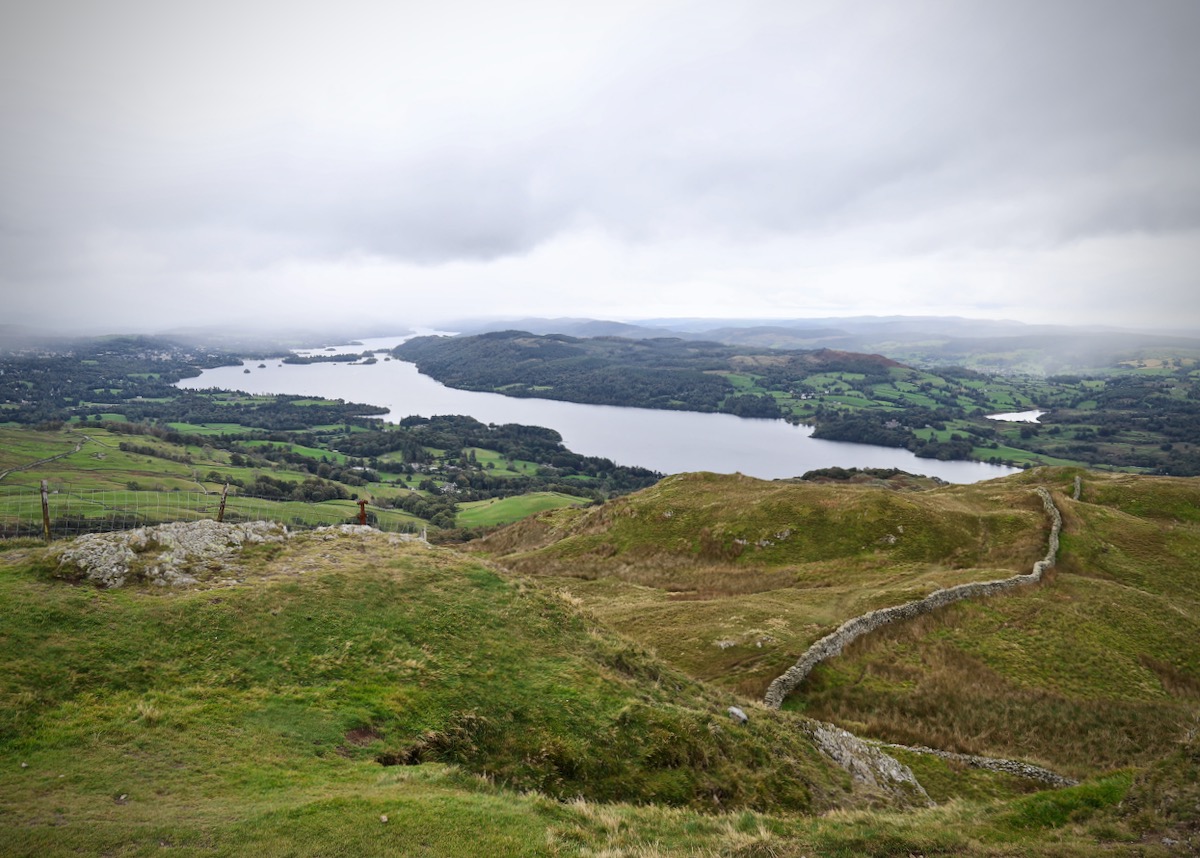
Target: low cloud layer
(188, 163)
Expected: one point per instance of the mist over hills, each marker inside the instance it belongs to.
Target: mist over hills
(983, 344)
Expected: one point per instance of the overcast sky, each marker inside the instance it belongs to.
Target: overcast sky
(166, 163)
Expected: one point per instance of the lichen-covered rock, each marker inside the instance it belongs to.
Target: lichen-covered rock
(172, 554)
(333, 531)
(337, 531)
(867, 764)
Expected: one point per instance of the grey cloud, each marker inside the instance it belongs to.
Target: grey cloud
(242, 135)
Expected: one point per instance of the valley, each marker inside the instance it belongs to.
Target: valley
(535, 652)
(1140, 414)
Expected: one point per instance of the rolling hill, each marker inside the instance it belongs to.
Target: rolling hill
(564, 689)
(730, 579)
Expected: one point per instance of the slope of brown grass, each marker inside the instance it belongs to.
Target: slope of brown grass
(730, 577)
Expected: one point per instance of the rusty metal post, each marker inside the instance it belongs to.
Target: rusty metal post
(221, 509)
(362, 512)
(46, 509)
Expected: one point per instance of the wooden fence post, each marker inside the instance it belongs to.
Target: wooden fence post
(221, 509)
(46, 509)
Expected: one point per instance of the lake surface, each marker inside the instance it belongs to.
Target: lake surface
(666, 441)
(1017, 416)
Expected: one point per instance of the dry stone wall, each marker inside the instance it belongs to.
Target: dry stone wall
(995, 764)
(834, 642)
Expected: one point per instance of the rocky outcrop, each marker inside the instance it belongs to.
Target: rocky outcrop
(185, 552)
(833, 643)
(867, 764)
(167, 554)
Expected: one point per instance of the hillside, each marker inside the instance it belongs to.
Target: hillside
(795, 557)
(350, 692)
(421, 474)
(731, 579)
(275, 686)
(987, 345)
(103, 414)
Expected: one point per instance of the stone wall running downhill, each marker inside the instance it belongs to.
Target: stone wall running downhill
(995, 764)
(834, 642)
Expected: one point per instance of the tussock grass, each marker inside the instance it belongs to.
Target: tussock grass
(704, 520)
(730, 578)
(1095, 670)
(251, 719)
(271, 704)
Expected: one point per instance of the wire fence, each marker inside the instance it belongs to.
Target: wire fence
(72, 512)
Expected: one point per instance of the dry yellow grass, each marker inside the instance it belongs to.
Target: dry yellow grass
(730, 578)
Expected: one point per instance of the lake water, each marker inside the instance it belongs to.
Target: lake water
(666, 441)
(1017, 416)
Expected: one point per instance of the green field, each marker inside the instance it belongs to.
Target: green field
(269, 705)
(151, 474)
(495, 511)
(208, 428)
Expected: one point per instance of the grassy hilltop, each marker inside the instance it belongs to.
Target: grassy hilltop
(487, 706)
(731, 578)
(230, 715)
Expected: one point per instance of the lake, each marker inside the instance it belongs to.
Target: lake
(1018, 416)
(666, 441)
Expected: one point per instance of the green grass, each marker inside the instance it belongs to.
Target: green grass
(153, 488)
(208, 428)
(311, 452)
(227, 720)
(1023, 457)
(486, 513)
(731, 578)
(21, 446)
(947, 780)
(212, 708)
(500, 463)
(1106, 645)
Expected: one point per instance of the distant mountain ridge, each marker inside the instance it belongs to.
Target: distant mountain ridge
(925, 341)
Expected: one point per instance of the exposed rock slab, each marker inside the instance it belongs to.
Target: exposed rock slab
(867, 764)
(172, 554)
